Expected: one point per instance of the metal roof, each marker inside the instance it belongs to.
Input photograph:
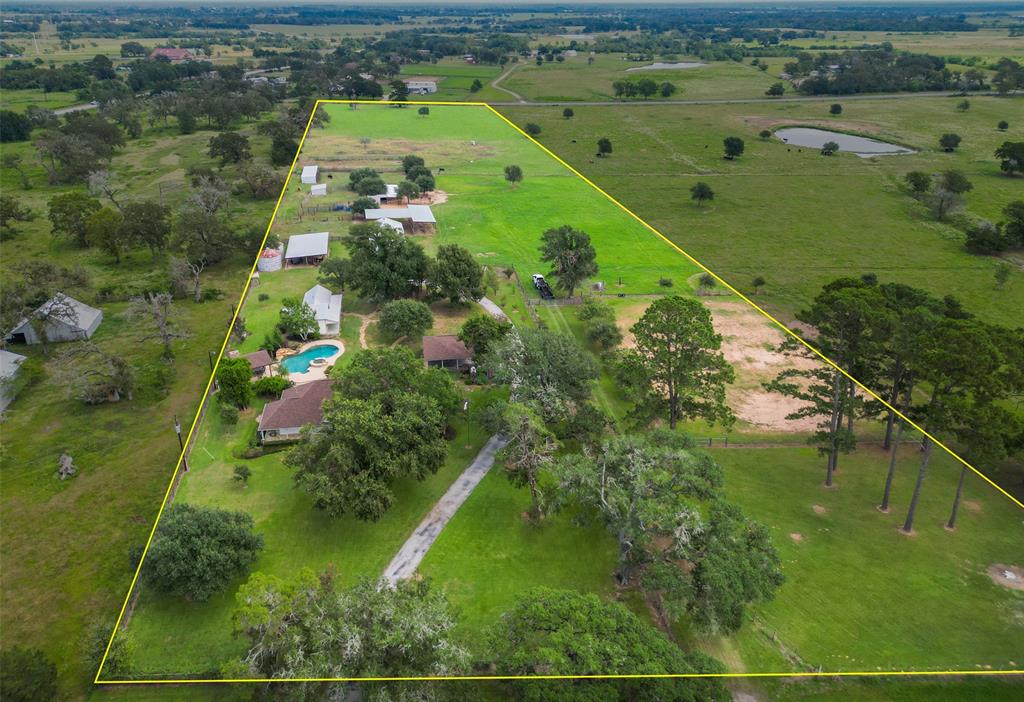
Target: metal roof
(302, 245)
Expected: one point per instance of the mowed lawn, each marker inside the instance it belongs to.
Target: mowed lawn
(172, 636)
(859, 595)
(500, 223)
(797, 218)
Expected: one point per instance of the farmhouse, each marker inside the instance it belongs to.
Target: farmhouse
(307, 249)
(282, 420)
(310, 175)
(416, 219)
(64, 319)
(421, 87)
(260, 362)
(389, 195)
(326, 308)
(172, 54)
(10, 364)
(446, 351)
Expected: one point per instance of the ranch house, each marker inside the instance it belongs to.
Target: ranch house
(282, 420)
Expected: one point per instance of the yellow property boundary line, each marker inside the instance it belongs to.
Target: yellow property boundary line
(284, 188)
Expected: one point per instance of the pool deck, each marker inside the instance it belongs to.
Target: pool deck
(316, 372)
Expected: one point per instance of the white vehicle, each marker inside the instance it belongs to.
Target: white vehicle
(537, 279)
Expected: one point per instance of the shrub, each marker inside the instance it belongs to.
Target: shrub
(241, 473)
(228, 413)
(271, 386)
(26, 674)
(263, 297)
(605, 333)
(665, 282)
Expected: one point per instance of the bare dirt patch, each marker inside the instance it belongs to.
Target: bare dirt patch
(170, 160)
(972, 505)
(797, 536)
(749, 342)
(1007, 576)
(341, 154)
(818, 509)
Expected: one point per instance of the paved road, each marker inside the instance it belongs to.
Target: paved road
(409, 557)
(733, 101)
(77, 108)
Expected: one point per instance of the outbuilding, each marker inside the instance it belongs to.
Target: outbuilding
(326, 308)
(446, 351)
(63, 318)
(10, 364)
(318, 190)
(416, 219)
(310, 174)
(307, 249)
(260, 361)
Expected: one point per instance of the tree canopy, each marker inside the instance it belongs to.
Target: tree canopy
(385, 264)
(572, 257)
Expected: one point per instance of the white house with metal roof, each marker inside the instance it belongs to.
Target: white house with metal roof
(309, 249)
(310, 174)
(326, 308)
(63, 318)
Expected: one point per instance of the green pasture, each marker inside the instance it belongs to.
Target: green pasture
(576, 79)
(20, 100)
(791, 215)
(989, 44)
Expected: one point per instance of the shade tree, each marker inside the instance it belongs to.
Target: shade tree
(572, 256)
(408, 318)
(455, 275)
(385, 264)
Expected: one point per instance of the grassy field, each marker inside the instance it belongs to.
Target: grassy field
(65, 544)
(576, 79)
(791, 215)
(455, 77)
(20, 100)
(989, 44)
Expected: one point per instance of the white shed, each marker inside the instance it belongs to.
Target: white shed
(318, 190)
(64, 319)
(310, 174)
(326, 308)
(10, 363)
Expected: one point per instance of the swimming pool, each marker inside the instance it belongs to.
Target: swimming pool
(299, 363)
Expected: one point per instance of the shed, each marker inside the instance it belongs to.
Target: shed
(392, 224)
(260, 361)
(310, 174)
(318, 190)
(390, 194)
(446, 351)
(309, 249)
(10, 364)
(420, 217)
(64, 319)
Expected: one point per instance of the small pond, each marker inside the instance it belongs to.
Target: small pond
(861, 146)
(299, 363)
(667, 66)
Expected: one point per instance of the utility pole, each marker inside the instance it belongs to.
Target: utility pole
(181, 443)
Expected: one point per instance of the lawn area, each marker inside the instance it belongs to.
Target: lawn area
(171, 635)
(20, 100)
(455, 78)
(576, 79)
(858, 594)
(793, 216)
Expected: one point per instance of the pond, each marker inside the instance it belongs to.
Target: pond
(299, 363)
(667, 66)
(861, 146)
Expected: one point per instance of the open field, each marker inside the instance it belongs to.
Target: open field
(791, 215)
(989, 44)
(575, 79)
(66, 544)
(455, 78)
(20, 100)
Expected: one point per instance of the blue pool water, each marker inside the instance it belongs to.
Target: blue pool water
(299, 363)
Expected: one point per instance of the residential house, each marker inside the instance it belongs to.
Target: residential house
(64, 319)
(282, 420)
(446, 351)
(307, 249)
(172, 54)
(10, 364)
(326, 308)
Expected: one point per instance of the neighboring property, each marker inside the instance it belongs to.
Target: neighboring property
(416, 219)
(172, 54)
(261, 361)
(307, 249)
(446, 351)
(10, 364)
(282, 420)
(421, 86)
(326, 308)
(318, 190)
(389, 195)
(64, 319)
(310, 174)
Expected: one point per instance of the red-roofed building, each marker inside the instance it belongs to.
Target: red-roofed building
(172, 54)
